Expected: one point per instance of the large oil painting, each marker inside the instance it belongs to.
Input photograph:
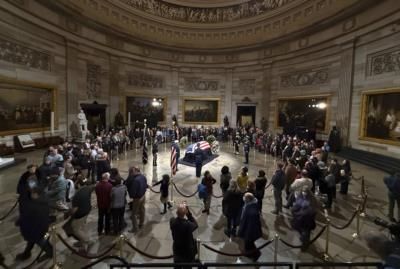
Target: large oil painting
(380, 116)
(303, 112)
(151, 108)
(25, 107)
(201, 110)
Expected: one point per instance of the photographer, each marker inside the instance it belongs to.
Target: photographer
(184, 245)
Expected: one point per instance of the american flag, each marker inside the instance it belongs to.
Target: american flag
(173, 160)
(203, 146)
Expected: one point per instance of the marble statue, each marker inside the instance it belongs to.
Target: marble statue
(82, 121)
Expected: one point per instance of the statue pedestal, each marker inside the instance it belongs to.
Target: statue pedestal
(82, 136)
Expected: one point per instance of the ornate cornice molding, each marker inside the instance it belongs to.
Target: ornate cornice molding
(173, 11)
(282, 22)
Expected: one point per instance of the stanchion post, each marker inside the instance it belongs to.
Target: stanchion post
(121, 241)
(111, 157)
(117, 154)
(198, 241)
(357, 233)
(361, 195)
(327, 238)
(53, 237)
(172, 190)
(276, 241)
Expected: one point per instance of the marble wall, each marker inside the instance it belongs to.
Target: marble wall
(87, 65)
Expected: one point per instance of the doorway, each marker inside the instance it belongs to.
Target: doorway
(246, 115)
(95, 115)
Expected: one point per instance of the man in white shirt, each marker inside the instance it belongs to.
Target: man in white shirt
(298, 185)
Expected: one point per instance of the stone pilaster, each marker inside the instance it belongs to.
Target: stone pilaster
(345, 90)
(72, 89)
(228, 111)
(266, 93)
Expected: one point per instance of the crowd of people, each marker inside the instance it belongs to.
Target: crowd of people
(70, 173)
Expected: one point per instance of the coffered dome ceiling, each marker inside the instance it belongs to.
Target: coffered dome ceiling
(211, 25)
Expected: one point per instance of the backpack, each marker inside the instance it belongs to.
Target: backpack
(202, 190)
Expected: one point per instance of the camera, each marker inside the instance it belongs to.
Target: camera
(394, 228)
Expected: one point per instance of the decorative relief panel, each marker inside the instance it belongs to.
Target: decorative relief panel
(206, 15)
(19, 54)
(93, 80)
(145, 81)
(247, 86)
(195, 84)
(385, 61)
(305, 78)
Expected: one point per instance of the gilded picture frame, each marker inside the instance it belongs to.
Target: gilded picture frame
(304, 111)
(380, 116)
(145, 109)
(202, 111)
(25, 107)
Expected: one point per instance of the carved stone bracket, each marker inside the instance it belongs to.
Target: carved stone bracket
(19, 54)
(145, 81)
(195, 84)
(305, 78)
(93, 80)
(385, 61)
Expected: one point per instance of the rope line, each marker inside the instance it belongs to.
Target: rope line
(347, 224)
(185, 195)
(10, 211)
(146, 254)
(152, 190)
(268, 185)
(238, 254)
(309, 242)
(217, 196)
(122, 260)
(83, 255)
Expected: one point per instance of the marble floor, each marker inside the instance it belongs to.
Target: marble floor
(155, 237)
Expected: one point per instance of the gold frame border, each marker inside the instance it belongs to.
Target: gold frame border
(186, 98)
(165, 100)
(363, 118)
(44, 86)
(328, 111)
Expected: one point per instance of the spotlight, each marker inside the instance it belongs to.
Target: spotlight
(322, 105)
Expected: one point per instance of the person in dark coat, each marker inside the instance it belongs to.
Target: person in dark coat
(208, 181)
(102, 166)
(198, 157)
(25, 183)
(304, 213)
(232, 203)
(345, 176)
(392, 183)
(278, 183)
(154, 150)
(184, 246)
(246, 149)
(164, 192)
(44, 172)
(34, 223)
(261, 182)
(250, 226)
(225, 179)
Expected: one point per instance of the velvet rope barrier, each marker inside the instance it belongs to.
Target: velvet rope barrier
(347, 224)
(184, 195)
(217, 196)
(268, 185)
(309, 243)
(10, 211)
(152, 190)
(238, 254)
(122, 260)
(146, 254)
(83, 255)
